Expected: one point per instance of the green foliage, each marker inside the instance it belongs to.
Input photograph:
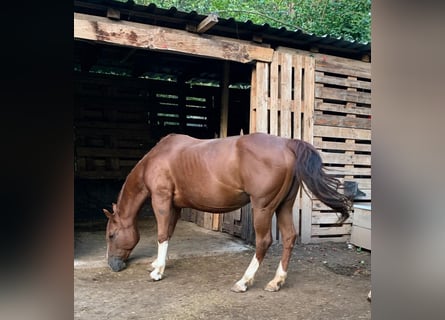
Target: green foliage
(348, 19)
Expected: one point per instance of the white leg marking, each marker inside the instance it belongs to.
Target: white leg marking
(247, 279)
(159, 263)
(278, 280)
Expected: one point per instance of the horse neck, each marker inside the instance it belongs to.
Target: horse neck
(133, 194)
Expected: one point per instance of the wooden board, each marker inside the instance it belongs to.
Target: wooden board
(149, 37)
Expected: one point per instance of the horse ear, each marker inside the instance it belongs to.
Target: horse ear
(108, 214)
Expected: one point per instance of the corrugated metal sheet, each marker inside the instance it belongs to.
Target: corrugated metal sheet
(231, 28)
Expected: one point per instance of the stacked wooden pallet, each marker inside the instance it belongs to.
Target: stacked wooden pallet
(342, 132)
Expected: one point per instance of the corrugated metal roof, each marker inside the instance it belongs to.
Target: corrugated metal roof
(247, 30)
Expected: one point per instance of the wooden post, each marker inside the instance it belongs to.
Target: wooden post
(217, 217)
(308, 136)
(224, 100)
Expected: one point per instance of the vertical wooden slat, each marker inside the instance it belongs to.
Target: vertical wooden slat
(298, 66)
(253, 101)
(286, 82)
(307, 135)
(224, 100)
(297, 63)
(274, 94)
(261, 96)
(309, 99)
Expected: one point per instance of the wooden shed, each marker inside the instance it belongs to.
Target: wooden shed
(142, 72)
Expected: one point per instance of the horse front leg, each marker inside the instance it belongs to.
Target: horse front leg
(158, 265)
(289, 235)
(166, 218)
(263, 240)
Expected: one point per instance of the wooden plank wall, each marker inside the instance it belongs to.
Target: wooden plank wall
(111, 131)
(116, 120)
(282, 105)
(326, 101)
(342, 132)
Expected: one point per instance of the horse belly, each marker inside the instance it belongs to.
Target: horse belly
(211, 201)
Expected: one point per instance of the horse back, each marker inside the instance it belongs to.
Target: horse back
(218, 175)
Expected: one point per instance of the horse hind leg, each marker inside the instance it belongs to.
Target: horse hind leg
(263, 240)
(289, 235)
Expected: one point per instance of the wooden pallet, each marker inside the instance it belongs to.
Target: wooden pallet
(342, 133)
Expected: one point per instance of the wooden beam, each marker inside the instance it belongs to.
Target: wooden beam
(207, 23)
(167, 40)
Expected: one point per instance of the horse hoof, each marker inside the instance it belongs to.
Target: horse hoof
(155, 276)
(272, 287)
(239, 288)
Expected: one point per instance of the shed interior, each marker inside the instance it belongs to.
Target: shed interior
(126, 99)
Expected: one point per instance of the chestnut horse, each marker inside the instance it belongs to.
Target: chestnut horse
(221, 175)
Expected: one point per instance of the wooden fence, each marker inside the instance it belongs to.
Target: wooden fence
(342, 132)
(325, 101)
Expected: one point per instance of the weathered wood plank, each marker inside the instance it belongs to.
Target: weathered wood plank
(286, 95)
(309, 96)
(224, 101)
(297, 61)
(320, 105)
(274, 94)
(346, 133)
(326, 217)
(342, 95)
(343, 238)
(253, 101)
(341, 121)
(307, 135)
(349, 171)
(343, 146)
(320, 77)
(318, 231)
(338, 158)
(343, 66)
(166, 39)
(261, 97)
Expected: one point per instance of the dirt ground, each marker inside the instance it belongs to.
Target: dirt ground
(325, 281)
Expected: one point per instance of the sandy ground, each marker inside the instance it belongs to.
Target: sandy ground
(325, 281)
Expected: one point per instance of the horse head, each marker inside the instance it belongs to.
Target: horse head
(121, 237)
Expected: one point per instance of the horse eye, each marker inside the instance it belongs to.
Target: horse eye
(111, 236)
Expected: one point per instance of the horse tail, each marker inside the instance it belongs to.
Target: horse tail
(310, 169)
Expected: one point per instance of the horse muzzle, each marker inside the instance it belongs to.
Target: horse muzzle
(116, 264)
